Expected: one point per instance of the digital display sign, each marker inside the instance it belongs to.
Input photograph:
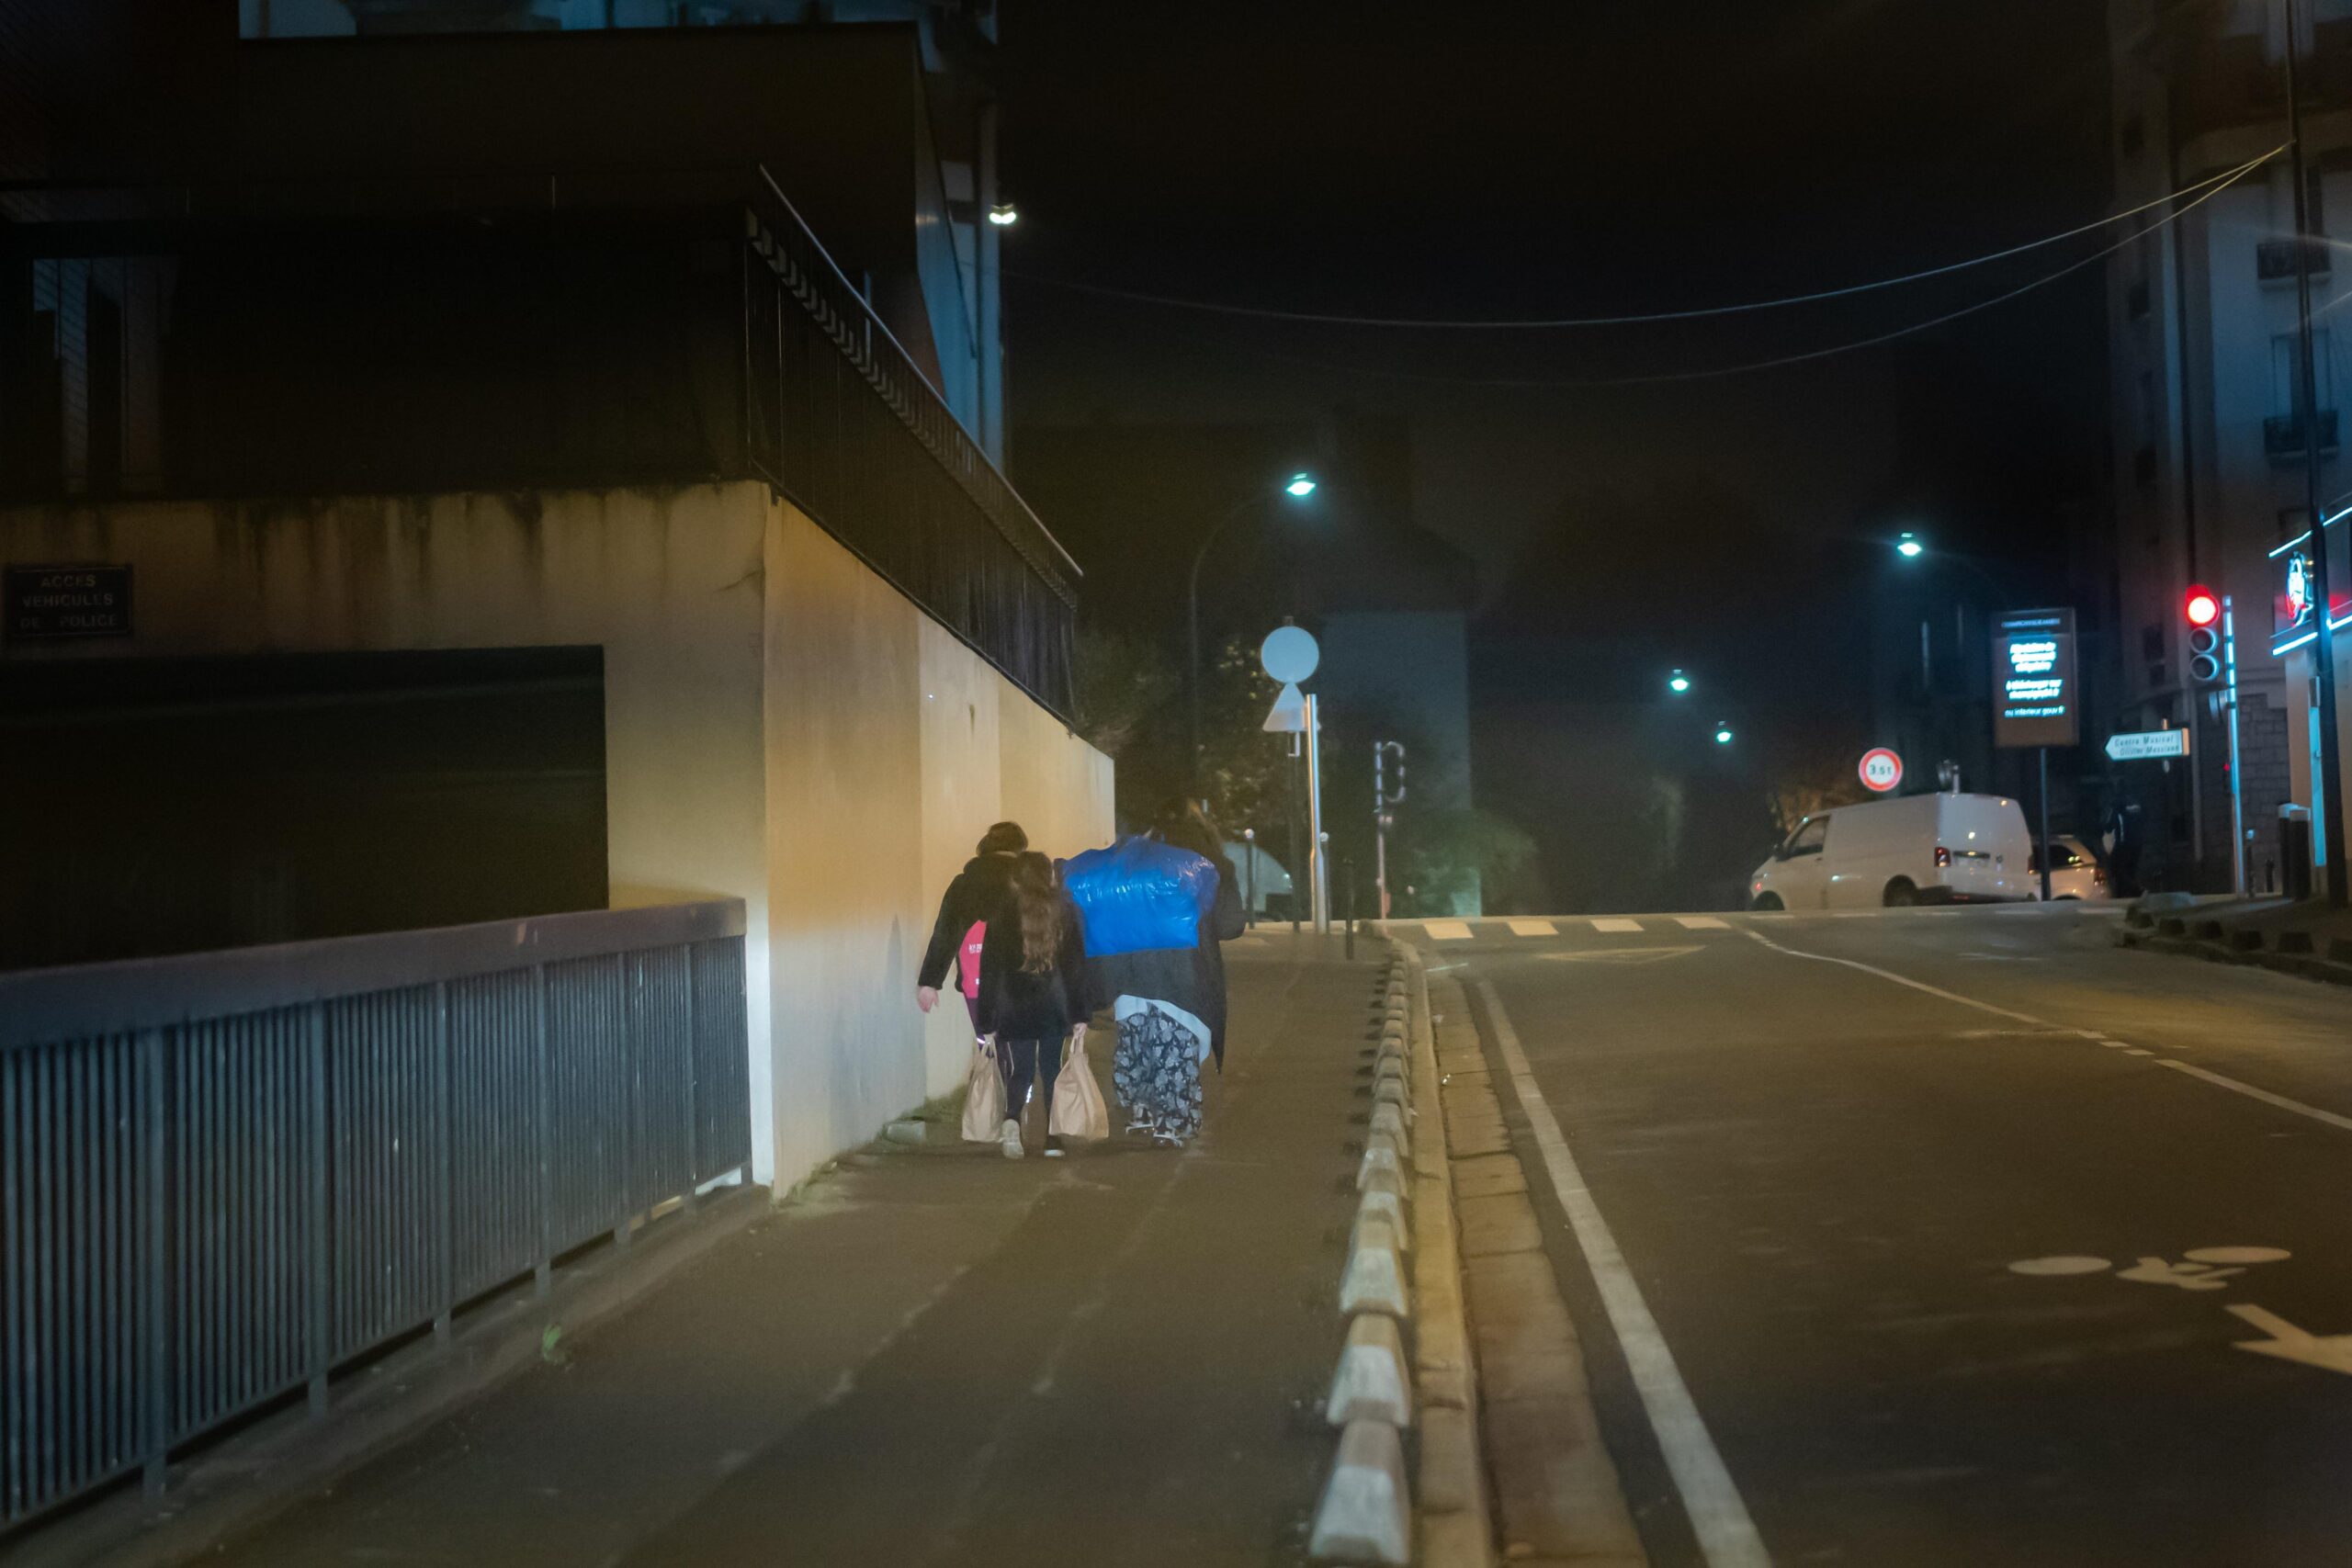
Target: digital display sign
(2034, 700)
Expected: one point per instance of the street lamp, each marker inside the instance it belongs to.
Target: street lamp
(1722, 733)
(1909, 548)
(1298, 487)
(1004, 215)
(1678, 682)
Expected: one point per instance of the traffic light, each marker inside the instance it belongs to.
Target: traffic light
(2203, 608)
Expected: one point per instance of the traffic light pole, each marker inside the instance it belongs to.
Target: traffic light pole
(2237, 781)
(2329, 784)
(2047, 856)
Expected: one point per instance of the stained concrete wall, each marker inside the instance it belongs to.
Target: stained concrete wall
(781, 726)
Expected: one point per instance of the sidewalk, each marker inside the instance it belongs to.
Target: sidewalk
(940, 1356)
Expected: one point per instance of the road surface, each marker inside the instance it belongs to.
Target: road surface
(1940, 1236)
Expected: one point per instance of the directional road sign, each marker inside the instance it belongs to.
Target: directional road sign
(2146, 745)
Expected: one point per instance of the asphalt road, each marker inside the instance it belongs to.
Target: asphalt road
(1956, 1271)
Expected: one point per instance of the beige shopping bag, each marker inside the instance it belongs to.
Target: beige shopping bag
(983, 1096)
(1078, 1111)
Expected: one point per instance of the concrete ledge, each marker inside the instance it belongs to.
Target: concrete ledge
(1370, 1384)
(1376, 1278)
(1364, 1516)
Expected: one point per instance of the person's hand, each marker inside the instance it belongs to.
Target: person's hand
(1081, 1035)
(926, 997)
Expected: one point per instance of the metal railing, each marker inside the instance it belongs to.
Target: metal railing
(226, 1174)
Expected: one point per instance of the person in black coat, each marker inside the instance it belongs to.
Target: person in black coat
(1171, 1002)
(979, 890)
(1033, 989)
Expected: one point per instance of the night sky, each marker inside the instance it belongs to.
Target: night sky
(1575, 159)
(1603, 158)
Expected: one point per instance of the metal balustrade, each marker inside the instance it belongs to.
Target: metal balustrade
(226, 1174)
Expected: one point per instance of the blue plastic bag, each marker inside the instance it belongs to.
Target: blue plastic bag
(1139, 895)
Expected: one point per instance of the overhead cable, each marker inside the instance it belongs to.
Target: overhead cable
(1313, 318)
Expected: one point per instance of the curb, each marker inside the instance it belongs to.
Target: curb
(2173, 936)
(1404, 1276)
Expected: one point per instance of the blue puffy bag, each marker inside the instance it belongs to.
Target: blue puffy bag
(1139, 895)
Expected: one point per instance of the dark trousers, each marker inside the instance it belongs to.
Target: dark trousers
(1023, 1062)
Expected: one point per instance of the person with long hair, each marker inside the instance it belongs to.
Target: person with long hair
(954, 953)
(1033, 989)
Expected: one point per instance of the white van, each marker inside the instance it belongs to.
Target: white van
(1918, 849)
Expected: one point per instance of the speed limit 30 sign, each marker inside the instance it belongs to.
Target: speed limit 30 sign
(1882, 769)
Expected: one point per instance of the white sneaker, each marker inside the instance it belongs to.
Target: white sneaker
(1010, 1137)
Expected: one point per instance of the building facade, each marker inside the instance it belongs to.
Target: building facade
(478, 542)
(2210, 441)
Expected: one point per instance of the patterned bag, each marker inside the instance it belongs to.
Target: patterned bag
(983, 1097)
(1078, 1111)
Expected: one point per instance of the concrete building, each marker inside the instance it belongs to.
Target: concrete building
(498, 498)
(929, 251)
(2209, 449)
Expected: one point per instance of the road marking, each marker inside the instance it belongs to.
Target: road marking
(2135, 1051)
(1447, 930)
(1699, 923)
(2332, 1352)
(2048, 1267)
(1616, 925)
(2263, 1095)
(1618, 955)
(2237, 1255)
(1726, 1535)
(1533, 928)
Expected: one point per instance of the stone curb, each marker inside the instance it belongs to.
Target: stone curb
(1368, 1512)
(2308, 966)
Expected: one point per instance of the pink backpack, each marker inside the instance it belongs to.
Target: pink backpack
(967, 958)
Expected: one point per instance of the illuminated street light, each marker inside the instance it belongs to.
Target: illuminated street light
(1004, 215)
(1723, 734)
(1678, 682)
(1301, 485)
(1909, 548)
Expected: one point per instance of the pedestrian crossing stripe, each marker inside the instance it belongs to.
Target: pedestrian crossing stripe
(1616, 925)
(1447, 930)
(1533, 928)
(1700, 923)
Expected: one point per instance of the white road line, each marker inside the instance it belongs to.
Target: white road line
(1616, 925)
(2217, 1079)
(1446, 930)
(1532, 928)
(2263, 1095)
(1699, 923)
(1727, 1535)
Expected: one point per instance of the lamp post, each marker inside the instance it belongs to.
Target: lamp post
(1298, 487)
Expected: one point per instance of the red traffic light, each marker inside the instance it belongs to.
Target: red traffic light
(2201, 607)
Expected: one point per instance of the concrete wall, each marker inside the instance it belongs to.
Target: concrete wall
(781, 726)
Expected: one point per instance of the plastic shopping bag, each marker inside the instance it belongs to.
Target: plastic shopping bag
(1078, 1111)
(983, 1096)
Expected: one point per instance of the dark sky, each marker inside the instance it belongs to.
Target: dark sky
(1573, 158)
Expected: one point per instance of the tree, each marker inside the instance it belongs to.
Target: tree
(1122, 684)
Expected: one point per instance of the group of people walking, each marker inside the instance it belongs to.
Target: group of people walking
(1037, 948)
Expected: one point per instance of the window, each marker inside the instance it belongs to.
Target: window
(2285, 372)
(1811, 834)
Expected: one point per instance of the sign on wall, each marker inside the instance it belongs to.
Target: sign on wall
(44, 603)
(2034, 699)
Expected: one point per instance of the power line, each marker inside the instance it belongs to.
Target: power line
(1264, 313)
(1754, 366)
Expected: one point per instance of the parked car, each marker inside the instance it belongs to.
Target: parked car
(2074, 872)
(1917, 849)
